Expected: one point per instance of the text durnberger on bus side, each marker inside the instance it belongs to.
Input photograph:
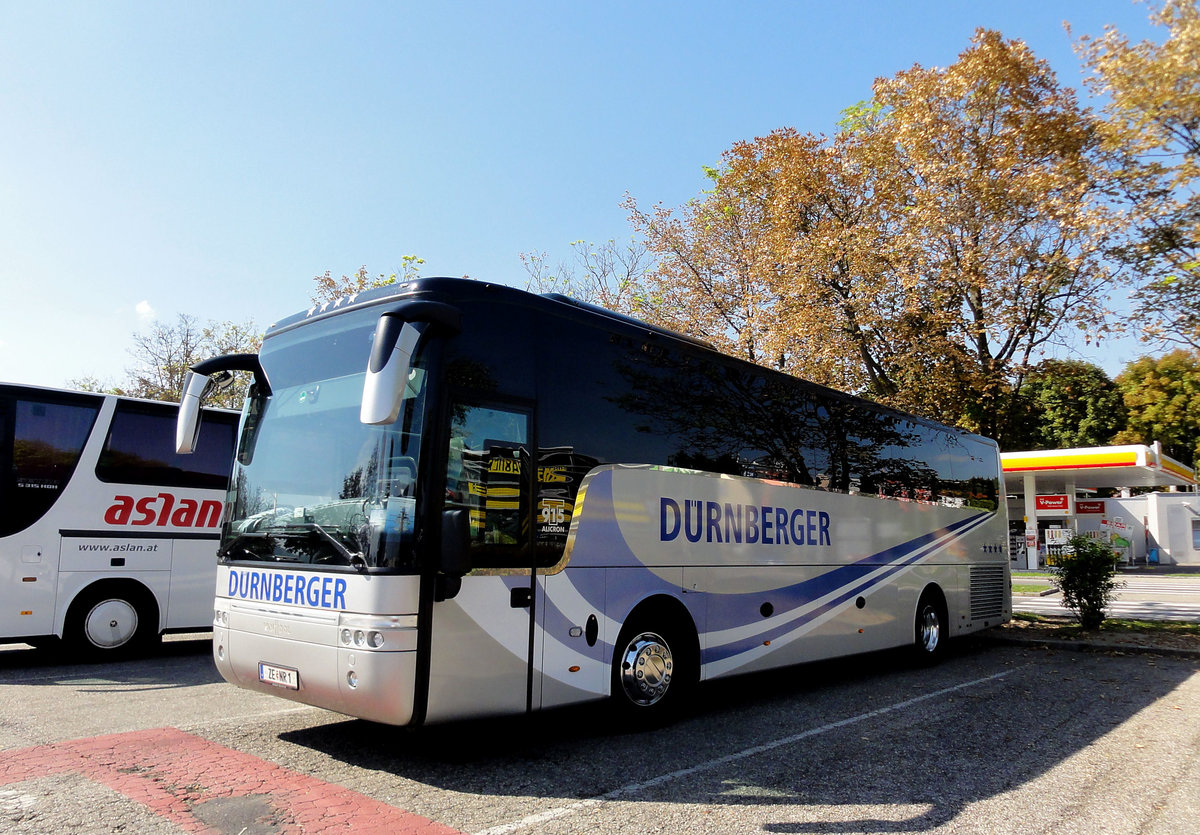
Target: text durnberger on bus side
(736, 523)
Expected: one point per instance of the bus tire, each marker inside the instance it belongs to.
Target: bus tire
(655, 669)
(930, 628)
(111, 620)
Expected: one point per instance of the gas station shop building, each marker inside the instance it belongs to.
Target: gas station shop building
(1052, 495)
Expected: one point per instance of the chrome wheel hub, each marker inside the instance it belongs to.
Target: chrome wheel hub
(931, 629)
(646, 669)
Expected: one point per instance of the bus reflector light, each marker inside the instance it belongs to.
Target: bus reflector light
(29, 612)
(573, 669)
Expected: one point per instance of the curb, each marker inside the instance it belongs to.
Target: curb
(1092, 646)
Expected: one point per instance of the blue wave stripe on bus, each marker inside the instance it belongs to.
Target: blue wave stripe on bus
(805, 592)
(852, 590)
(601, 515)
(732, 611)
(849, 579)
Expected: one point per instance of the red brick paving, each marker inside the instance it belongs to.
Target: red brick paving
(170, 772)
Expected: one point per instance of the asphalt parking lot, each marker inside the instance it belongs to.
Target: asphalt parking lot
(997, 739)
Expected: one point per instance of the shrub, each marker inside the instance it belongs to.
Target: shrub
(1087, 577)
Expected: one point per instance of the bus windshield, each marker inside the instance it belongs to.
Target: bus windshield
(312, 484)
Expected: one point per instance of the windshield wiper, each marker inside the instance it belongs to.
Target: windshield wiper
(354, 558)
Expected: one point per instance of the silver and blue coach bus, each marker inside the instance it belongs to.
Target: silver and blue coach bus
(454, 499)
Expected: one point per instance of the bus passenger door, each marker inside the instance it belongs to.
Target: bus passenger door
(480, 648)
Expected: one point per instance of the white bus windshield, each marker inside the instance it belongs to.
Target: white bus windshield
(313, 485)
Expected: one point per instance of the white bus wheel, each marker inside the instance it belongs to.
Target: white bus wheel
(109, 621)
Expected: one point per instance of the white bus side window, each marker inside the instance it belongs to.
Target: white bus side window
(140, 449)
(47, 440)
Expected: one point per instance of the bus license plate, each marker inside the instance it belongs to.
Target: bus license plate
(279, 676)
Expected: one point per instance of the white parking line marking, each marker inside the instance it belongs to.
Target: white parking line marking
(634, 788)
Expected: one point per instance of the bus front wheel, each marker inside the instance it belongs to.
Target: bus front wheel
(653, 673)
(110, 622)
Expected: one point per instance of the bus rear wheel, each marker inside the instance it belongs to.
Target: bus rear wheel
(929, 630)
(110, 622)
(653, 673)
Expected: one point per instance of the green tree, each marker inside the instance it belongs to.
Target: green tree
(1067, 403)
(1152, 132)
(1162, 398)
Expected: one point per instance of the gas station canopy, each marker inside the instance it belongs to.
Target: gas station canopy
(1049, 480)
(1090, 468)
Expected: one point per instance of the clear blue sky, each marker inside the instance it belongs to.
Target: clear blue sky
(211, 158)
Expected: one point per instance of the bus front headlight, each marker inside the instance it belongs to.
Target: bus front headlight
(377, 632)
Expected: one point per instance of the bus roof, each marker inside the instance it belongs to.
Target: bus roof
(448, 289)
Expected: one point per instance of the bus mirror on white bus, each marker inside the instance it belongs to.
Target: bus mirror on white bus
(388, 370)
(202, 379)
(187, 426)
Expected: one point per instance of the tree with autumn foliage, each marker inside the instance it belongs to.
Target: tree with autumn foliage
(163, 354)
(330, 289)
(730, 268)
(610, 274)
(923, 256)
(1151, 130)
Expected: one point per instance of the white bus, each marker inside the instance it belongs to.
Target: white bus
(107, 535)
(453, 499)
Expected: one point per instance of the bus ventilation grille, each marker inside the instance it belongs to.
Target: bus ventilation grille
(987, 591)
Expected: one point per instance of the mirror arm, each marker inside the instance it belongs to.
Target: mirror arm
(236, 362)
(200, 381)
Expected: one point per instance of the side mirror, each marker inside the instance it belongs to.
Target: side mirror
(396, 337)
(187, 424)
(201, 380)
(455, 558)
(388, 370)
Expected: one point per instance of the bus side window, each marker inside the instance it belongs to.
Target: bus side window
(140, 449)
(488, 474)
(46, 440)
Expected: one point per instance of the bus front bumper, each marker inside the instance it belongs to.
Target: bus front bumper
(359, 665)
